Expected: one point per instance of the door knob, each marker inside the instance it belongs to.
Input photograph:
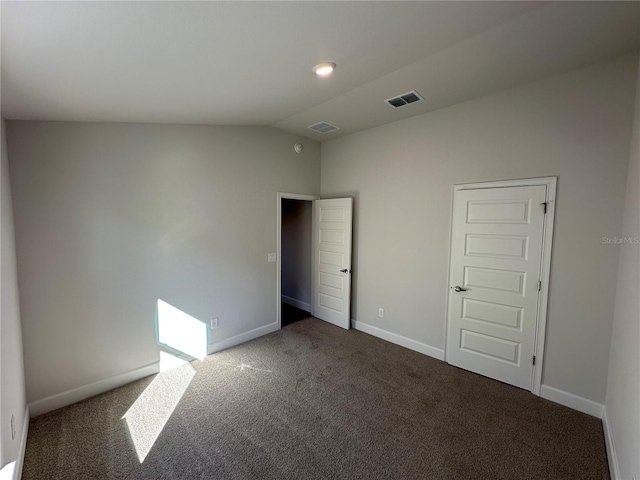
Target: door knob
(345, 271)
(458, 288)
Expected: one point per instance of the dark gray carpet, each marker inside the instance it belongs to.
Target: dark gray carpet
(313, 401)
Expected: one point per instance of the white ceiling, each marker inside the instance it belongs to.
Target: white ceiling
(249, 63)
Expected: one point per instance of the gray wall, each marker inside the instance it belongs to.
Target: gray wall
(575, 126)
(112, 217)
(296, 249)
(12, 390)
(623, 388)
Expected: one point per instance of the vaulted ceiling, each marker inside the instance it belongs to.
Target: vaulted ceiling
(249, 63)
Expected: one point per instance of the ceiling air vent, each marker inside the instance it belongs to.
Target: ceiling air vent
(404, 99)
(323, 127)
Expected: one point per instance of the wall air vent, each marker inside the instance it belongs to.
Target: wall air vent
(404, 99)
(323, 127)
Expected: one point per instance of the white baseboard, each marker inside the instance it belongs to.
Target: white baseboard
(63, 399)
(614, 469)
(572, 401)
(400, 340)
(241, 338)
(296, 303)
(17, 473)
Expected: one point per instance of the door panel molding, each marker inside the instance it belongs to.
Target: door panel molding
(332, 242)
(514, 215)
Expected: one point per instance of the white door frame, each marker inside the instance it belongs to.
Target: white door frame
(545, 263)
(290, 196)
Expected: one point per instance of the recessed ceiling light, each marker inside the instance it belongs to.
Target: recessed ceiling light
(324, 69)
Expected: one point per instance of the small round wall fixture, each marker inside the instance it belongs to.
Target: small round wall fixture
(324, 69)
(298, 147)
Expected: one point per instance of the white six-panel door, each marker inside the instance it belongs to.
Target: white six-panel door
(496, 251)
(332, 260)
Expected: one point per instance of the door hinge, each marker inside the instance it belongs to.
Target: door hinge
(539, 285)
(544, 205)
(534, 359)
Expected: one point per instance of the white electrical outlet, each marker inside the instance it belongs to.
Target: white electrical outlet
(381, 312)
(271, 257)
(214, 323)
(13, 427)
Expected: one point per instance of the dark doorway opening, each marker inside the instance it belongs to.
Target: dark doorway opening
(296, 253)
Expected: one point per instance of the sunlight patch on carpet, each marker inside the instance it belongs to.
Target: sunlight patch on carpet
(149, 414)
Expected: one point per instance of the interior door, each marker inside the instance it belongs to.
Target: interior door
(496, 251)
(332, 260)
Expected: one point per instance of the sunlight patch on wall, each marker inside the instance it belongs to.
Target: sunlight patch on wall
(180, 331)
(149, 414)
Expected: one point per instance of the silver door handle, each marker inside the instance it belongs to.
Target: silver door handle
(458, 288)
